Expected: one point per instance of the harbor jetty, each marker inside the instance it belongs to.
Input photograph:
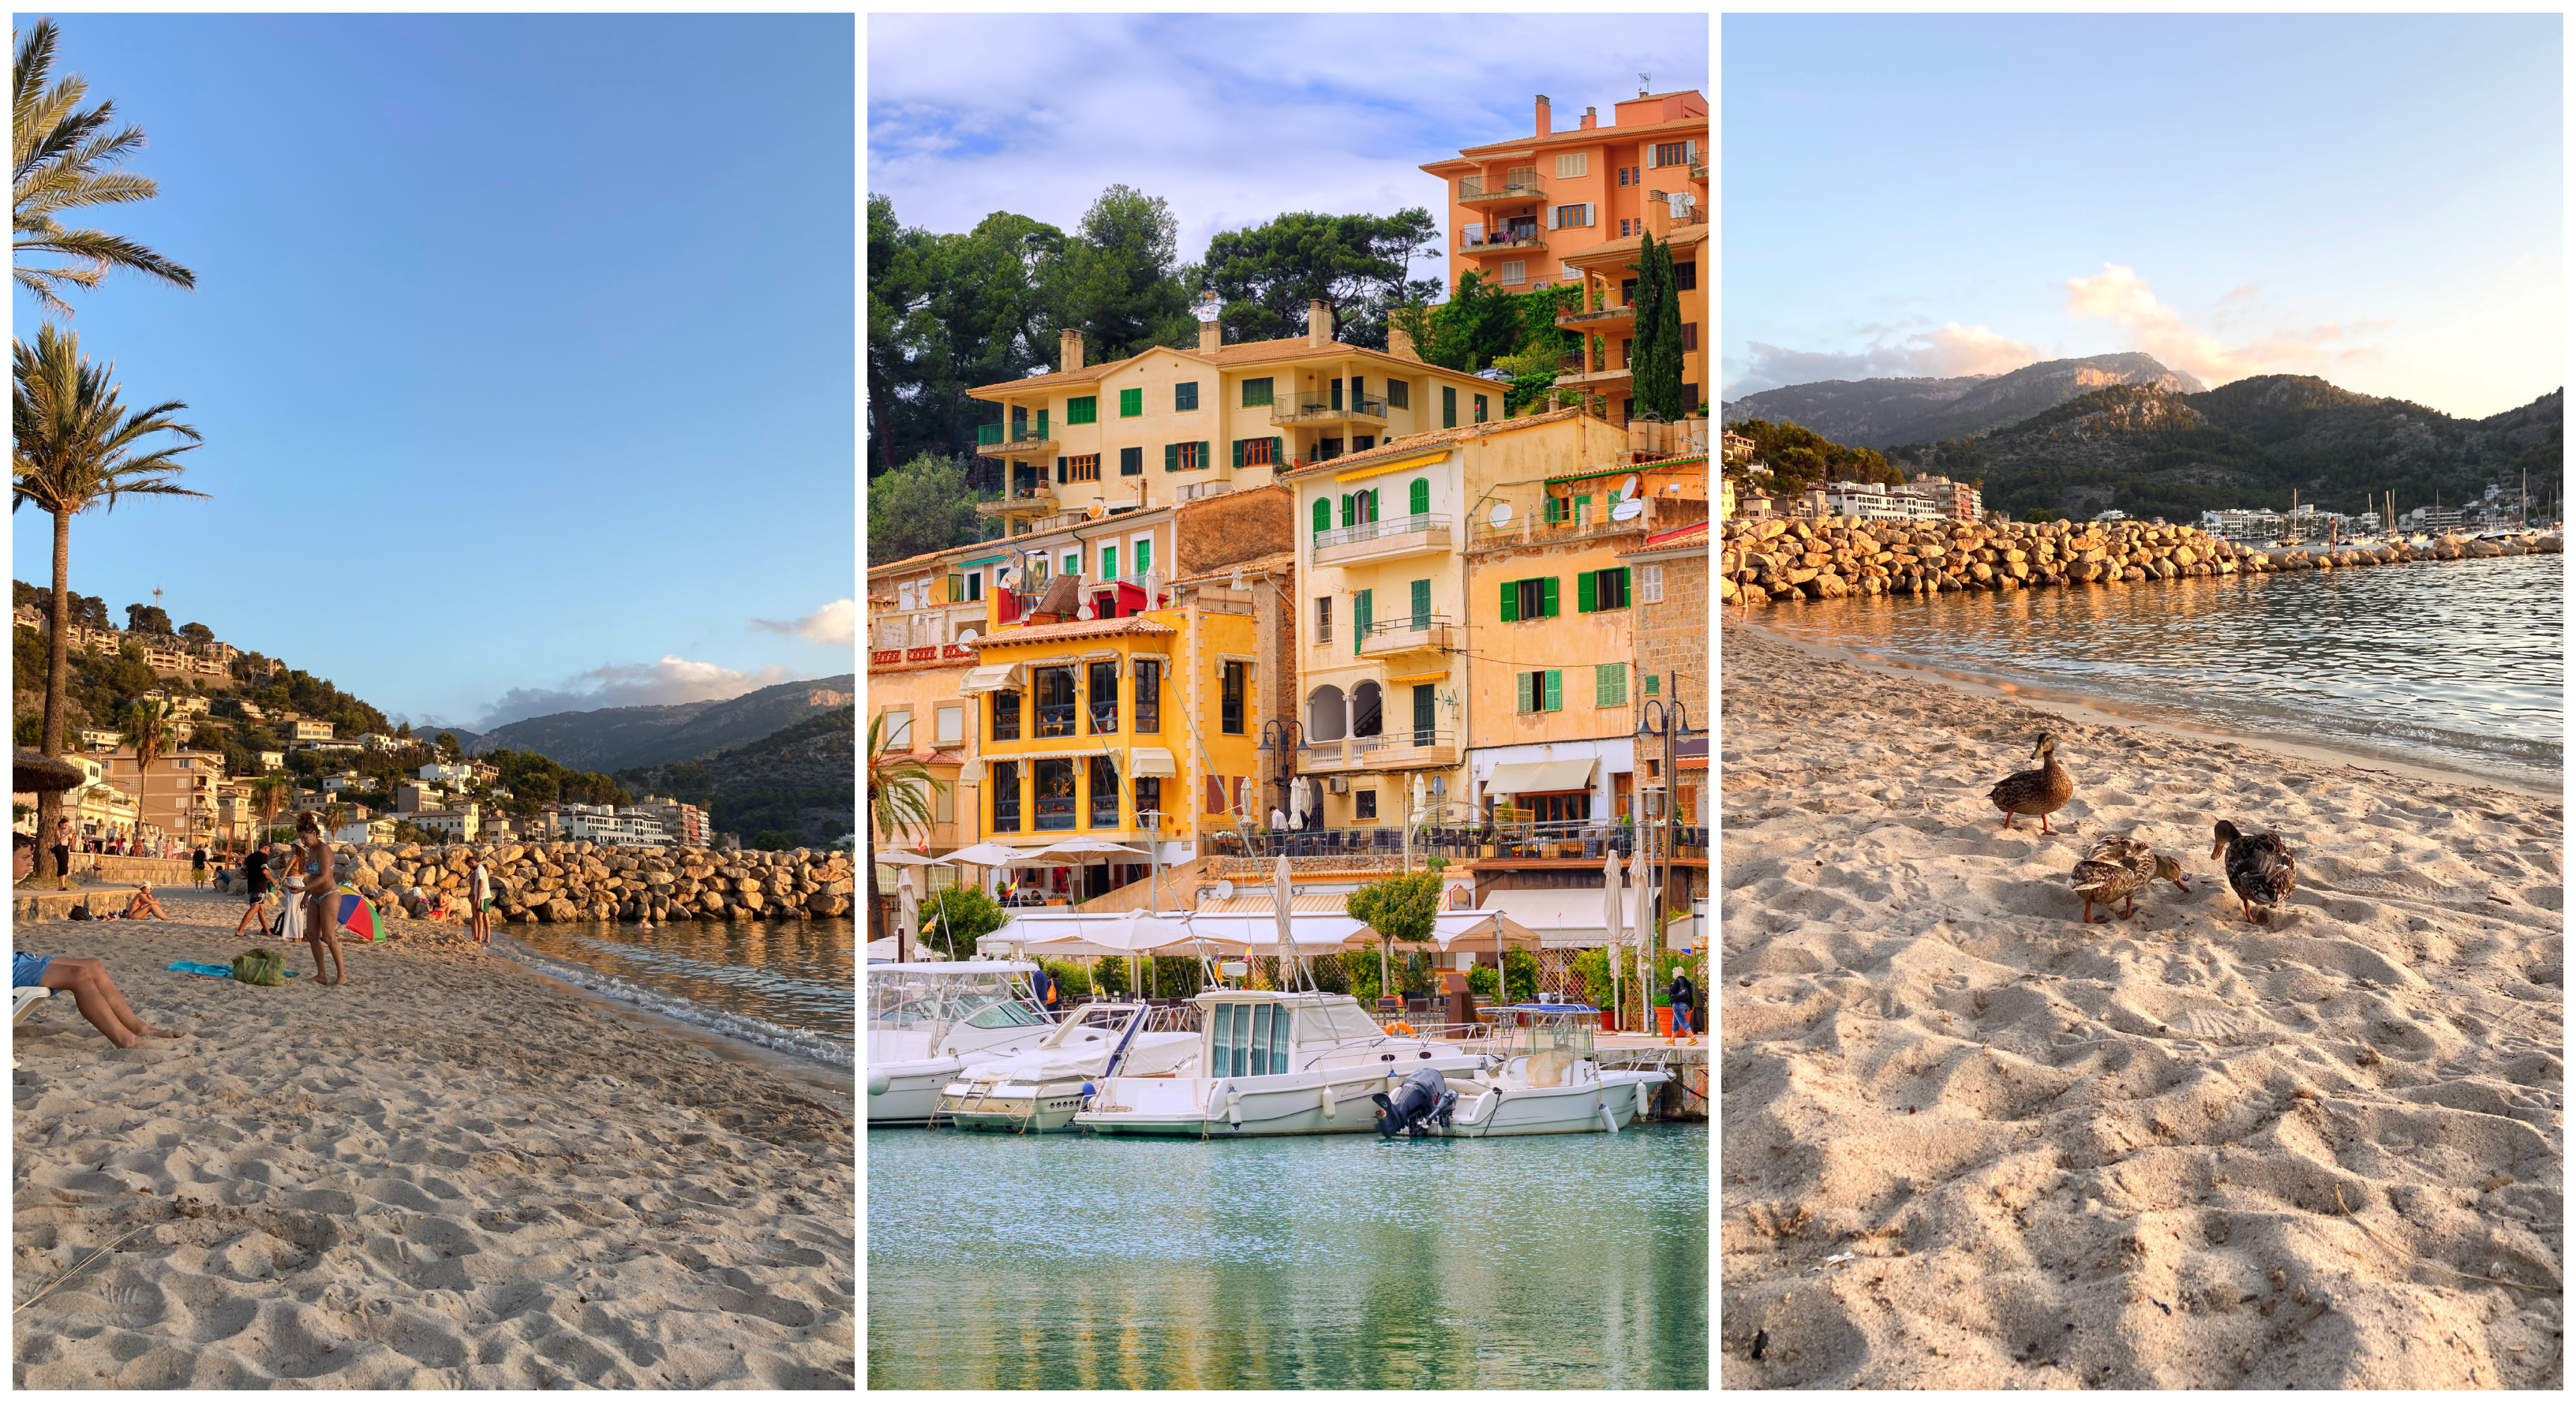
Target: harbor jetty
(1781, 560)
(583, 881)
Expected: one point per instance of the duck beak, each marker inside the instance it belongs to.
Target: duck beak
(2216, 848)
(2182, 882)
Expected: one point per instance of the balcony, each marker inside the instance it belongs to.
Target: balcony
(1609, 321)
(1036, 501)
(1321, 411)
(1405, 636)
(1022, 440)
(1499, 190)
(1532, 529)
(1479, 244)
(1396, 750)
(1699, 171)
(1575, 372)
(1394, 538)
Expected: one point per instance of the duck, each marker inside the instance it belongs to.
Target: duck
(2042, 791)
(2117, 869)
(2260, 867)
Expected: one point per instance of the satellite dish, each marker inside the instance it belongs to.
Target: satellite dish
(1225, 891)
(1501, 513)
(1627, 510)
(1095, 511)
(1210, 307)
(1085, 613)
(1629, 488)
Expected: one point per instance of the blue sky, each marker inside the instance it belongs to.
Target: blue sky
(1233, 120)
(522, 347)
(2374, 199)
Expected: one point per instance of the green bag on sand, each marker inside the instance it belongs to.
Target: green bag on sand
(259, 967)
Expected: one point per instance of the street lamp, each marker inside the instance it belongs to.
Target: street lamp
(1285, 738)
(1663, 717)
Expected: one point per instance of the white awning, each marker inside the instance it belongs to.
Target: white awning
(993, 677)
(1151, 762)
(1566, 918)
(1542, 777)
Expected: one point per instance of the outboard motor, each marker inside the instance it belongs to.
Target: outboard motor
(1423, 1100)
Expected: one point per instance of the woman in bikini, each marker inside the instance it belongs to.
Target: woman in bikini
(312, 876)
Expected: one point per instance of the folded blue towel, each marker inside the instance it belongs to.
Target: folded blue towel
(209, 971)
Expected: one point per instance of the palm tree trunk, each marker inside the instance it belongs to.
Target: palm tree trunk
(58, 667)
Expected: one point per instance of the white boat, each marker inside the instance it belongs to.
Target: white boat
(1272, 1063)
(1544, 1081)
(927, 1022)
(1040, 1090)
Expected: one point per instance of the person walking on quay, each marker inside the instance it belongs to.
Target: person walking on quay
(1043, 985)
(255, 881)
(478, 900)
(62, 854)
(1683, 995)
(312, 878)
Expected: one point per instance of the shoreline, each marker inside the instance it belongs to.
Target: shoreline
(1972, 1142)
(451, 1172)
(2094, 710)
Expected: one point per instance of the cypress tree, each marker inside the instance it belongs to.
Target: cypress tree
(1658, 360)
(1650, 311)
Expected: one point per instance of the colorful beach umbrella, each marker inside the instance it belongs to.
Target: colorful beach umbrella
(357, 918)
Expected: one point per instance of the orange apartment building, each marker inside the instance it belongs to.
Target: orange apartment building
(1570, 207)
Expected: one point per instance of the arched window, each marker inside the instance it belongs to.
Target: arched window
(1420, 496)
(1325, 714)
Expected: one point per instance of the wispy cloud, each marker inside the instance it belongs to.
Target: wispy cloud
(834, 625)
(2118, 295)
(1944, 351)
(672, 680)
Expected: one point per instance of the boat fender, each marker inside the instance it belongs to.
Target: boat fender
(1234, 1107)
(879, 1081)
(1609, 1119)
(1328, 1100)
(1089, 1091)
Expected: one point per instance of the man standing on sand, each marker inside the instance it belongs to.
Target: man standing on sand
(478, 900)
(255, 880)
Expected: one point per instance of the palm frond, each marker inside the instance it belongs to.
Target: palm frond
(63, 157)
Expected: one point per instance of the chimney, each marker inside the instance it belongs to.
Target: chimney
(1319, 323)
(1069, 351)
(1400, 345)
(1591, 118)
(1659, 214)
(1545, 126)
(1211, 338)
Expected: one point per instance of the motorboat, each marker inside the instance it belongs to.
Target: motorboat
(1272, 1062)
(1542, 1079)
(929, 1021)
(1040, 1090)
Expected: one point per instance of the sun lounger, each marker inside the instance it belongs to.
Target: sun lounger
(23, 1002)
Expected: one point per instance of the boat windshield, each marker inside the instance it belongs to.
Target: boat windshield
(1557, 1033)
(920, 999)
(1007, 1013)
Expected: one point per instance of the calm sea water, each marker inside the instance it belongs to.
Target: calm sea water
(1326, 1261)
(2454, 664)
(786, 985)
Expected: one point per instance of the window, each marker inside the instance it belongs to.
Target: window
(1627, 292)
(1421, 599)
(1513, 270)
(1144, 555)
(1104, 792)
(1073, 562)
(1054, 699)
(1690, 336)
(1571, 216)
(1323, 611)
(1323, 515)
(1627, 345)
(943, 805)
(1650, 587)
(1109, 562)
(1653, 684)
(1149, 696)
(1686, 277)
(1399, 394)
(1521, 177)
(1480, 409)
(1185, 396)
(1540, 691)
(1006, 716)
(1422, 719)
(1671, 153)
(1529, 599)
(1448, 406)
(1055, 794)
(1149, 802)
(1131, 403)
(898, 728)
(1570, 166)
(1364, 803)
(1690, 393)
(1599, 591)
(1623, 175)
(1417, 498)
(1363, 612)
(1362, 443)
(1084, 468)
(1256, 452)
(1624, 227)
(1131, 462)
(1238, 677)
(1006, 792)
(975, 586)
(1103, 685)
(1610, 684)
(1082, 410)
(1256, 393)
(1185, 457)
(952, 725)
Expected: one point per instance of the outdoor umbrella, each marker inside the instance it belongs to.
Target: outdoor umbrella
(1280, 895)
(36, 773)
(1613, 928)
(1645, 919)
(909, 927)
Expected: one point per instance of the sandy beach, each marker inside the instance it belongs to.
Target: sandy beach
(1970, 1142)
(447, 1173)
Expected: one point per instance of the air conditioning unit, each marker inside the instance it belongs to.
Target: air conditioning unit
(1338, 785)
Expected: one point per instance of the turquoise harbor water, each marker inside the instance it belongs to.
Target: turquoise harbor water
(1326, 1261)
(2452, 664)
(790, 985)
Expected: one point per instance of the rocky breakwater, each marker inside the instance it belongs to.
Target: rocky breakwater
(582, 881)
(1777, 560)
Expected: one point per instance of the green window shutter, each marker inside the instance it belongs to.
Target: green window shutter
(1418, 497)
(1171, 457)
(1042, 428)
(1278, 453)
(1238, 453)
(1082, 409)
(1624, 594)
(1523, 683)
(1130, 403)
(1555, 689)
(1610, 684)
(1422, 706)
(1109, 562)
(1585, 598)
(1448, 406)
(1323, 515)
(1512, 604)
(1421, 603)
(1364, 610)
(1207, 453)
(1144, 555)
(1346, 509)
(1059, 469)
(1654, 683)
(1256, 393)
(1548, 593)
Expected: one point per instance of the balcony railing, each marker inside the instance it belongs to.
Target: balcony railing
(1501, 240)
(1476, 189)
(1578, 839)
(1056, 721)
(1009, 435)
(1405, 633)
(1532, 528)
(1311, 408)
(1384, 526)
(1387, 751)
(1596, 320)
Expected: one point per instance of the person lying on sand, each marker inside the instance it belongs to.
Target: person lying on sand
(92, 991)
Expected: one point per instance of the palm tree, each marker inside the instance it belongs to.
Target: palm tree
(147, 729)
(899, 790)
(63, 157)
(76, 448)
(268, 791)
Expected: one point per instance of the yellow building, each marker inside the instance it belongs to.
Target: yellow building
(1090, 442)
(1125, 730)
(923, 614)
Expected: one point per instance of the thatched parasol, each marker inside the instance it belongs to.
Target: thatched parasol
(37, 773)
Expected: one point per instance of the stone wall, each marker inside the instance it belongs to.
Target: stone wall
(1672, 638)
(581, 881)
(1778, 561)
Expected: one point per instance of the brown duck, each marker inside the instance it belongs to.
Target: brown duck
(2259, 866)
(2117, 869)
(2042, 791)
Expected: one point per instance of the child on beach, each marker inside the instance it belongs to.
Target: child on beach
(91, 989)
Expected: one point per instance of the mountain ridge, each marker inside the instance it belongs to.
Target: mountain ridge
(1886, 412)
(631, 737)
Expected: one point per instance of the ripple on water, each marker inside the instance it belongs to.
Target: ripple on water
(788, 984)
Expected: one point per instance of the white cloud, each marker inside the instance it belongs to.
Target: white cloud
(834, 625)
(1943, 352)
(672, 680)
(2118, 295)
